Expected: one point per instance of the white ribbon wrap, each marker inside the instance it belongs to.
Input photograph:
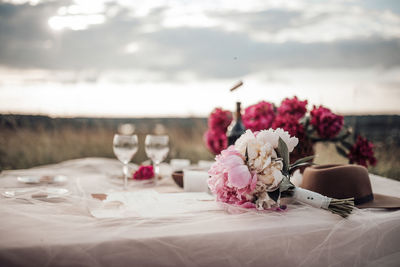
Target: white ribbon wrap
(311, 198)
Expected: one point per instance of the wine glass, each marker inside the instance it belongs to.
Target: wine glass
(125, 147)
(156, 147)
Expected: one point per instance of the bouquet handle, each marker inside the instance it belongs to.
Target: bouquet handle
(342, 207)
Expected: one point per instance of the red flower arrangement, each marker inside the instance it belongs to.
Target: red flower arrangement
(215, 137)
(144, 173)
(291, 124)
(328, 125)
(321, 124)
(293, 107)
(220, 119)
(259, 116)
(362, 152)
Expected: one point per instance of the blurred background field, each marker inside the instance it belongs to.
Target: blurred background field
(84, 60)
(27, 141)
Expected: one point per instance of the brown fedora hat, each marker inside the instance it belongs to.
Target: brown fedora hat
(345, 181)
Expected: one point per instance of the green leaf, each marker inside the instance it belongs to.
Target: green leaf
(302, 160)
(305, 121)
(294, 167)
(274, 195)
(286, 187)
(247, 155)
(342, 135)
(341, 151)
(288, 193)
(302, 164)
(347, 145)
(284, 154)
(285, 184)
(309, 130)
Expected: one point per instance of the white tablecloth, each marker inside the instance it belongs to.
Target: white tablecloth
(63, 233)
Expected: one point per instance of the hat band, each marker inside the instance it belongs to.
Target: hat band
(364, 199)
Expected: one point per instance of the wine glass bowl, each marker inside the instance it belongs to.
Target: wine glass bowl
(157, 148)
(125, 147)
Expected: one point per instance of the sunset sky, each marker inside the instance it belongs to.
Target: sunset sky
(179, 58)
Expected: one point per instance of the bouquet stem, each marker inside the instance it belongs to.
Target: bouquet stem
(342, 207)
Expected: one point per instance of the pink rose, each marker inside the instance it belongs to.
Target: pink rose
(259, 116)
(293, 107)
(144, 173)
(328, 124)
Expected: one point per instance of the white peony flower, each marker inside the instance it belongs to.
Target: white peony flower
(271, 137)
(291, 142)
(253, 149)
(277, 177)
(267, 162)
(264, 202)
(278, 165)
(266, 150)
(245, 140)
(268, 137)
(258, 164)
(266, 179)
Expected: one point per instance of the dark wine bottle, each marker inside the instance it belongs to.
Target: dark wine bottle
(236, 129)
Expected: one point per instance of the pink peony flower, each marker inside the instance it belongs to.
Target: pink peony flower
(220, 119)
(232, 160)
(144, 173)
(231, 180)
(259, 116)
(362, 152)
(328, 124)
(216, 140)
(239, 176)
(289, 123)
(293, 107)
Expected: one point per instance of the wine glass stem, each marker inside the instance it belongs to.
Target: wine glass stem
(157, 170)
(125, 170)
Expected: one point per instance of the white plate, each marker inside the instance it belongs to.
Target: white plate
(47, 179)
(37, 193)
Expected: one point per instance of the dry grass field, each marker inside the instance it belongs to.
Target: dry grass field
(44, 141)
(29, 141)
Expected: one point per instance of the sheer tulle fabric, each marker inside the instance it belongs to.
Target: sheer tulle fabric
(63, 233)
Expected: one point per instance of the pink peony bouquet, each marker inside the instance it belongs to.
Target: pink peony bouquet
(255, 173)
(319, 124)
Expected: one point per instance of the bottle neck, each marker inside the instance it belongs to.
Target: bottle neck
(237, 128)
(238, 111)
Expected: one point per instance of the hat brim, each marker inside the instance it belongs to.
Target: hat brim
(381, 202)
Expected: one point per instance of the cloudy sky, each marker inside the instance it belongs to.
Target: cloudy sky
(179, 58)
